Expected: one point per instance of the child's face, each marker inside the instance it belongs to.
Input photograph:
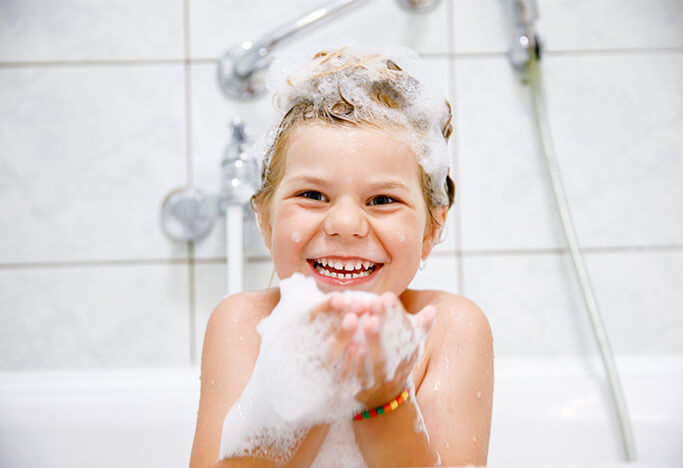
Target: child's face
(345, 215)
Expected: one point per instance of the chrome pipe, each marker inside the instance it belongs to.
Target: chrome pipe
(241, 70)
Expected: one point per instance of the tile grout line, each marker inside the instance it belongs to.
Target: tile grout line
(459, 259)
(452, 54)
(190, 176)
(262, 258)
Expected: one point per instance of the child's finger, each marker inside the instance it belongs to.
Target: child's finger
(372, 336)
(334, 301)
(361, 369)
(376, 306)
(349, 362)
(342, 337)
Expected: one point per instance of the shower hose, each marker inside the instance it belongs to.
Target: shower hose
(534, 77)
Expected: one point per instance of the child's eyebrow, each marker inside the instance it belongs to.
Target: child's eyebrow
(383, 185)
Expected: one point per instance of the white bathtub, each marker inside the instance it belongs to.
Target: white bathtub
(547, 412)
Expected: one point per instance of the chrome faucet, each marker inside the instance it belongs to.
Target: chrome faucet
(188, 214)
(525, 42)
(242, 69)
(239, 171)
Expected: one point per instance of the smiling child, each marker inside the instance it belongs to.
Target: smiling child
(354, 194)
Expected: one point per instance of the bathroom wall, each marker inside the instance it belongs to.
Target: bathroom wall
(106, 106)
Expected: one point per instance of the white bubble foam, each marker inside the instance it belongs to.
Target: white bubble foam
(293, 386)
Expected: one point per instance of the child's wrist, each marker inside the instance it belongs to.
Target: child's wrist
(383, 401)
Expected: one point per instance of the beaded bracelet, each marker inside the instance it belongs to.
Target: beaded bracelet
(392, 405)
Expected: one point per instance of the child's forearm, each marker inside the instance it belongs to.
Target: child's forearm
(304, 456)
(393, 440)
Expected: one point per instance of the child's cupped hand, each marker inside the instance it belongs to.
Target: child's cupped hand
(356, 346)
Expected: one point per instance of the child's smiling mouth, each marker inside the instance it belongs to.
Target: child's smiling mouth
(339, 271)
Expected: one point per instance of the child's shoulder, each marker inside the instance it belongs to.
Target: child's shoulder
(451, 309)
(247, 306)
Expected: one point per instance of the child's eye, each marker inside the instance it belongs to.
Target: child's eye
(384, 198)
(315, 195)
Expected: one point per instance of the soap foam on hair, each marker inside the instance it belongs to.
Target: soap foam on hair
(288, 78)
(293, 388)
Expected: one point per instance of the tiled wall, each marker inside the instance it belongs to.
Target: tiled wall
(105, 106)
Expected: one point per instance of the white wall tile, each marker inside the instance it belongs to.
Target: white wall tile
(216, 26)
(480, 26)
(96, 316)
(33, 30)
(505, 196)
(88, 154)
(618, 133)
(533, 303)
(641, 300)
(611, 24)
(440, 272)
(484, 26)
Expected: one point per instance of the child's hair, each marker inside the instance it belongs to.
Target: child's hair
(345, 88)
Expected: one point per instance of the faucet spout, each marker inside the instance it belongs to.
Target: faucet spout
(525, 42)
(242, 69)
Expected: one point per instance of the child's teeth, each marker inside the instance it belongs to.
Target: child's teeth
(333, 274)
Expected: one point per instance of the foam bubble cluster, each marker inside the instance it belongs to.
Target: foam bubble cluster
(294, 386)
(390, 86)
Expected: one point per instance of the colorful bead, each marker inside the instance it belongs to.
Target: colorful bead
(392, 405)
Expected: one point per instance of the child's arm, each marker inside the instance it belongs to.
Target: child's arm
(231, 346)
(454, 398)
(456, 394)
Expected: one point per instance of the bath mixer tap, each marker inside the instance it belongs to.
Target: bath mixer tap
(188, 214)
(525, 41)
(242, 69)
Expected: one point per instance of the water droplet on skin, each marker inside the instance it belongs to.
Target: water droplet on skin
(241, 339)
(478, 394)
(401, 237)
(234, 320)
(437, 385)
(211, 381)
(474, 438)
(296, 237)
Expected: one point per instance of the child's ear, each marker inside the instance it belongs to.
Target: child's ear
(432, 238)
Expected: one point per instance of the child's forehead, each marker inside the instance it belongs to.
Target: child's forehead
(363, 152)
(319, 143)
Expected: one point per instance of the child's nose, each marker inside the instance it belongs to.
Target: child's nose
(346, 219)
